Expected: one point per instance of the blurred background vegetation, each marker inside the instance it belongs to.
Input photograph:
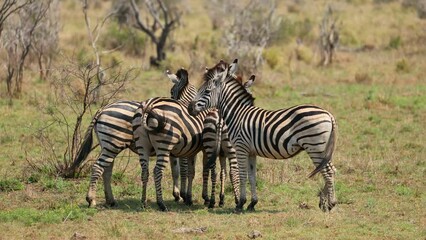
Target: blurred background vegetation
(363, 60)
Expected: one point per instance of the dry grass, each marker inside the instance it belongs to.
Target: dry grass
(380, 155)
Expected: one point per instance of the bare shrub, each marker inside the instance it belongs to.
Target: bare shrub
(17, 39)
(9, 7)
(220, 11)
(329, 37)
(46, 40)
(419, 5)
(67, 109)
(156, 18)
(77, 88)
(250, 32)
(421, 9)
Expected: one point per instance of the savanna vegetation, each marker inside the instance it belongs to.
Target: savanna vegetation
(62, 60)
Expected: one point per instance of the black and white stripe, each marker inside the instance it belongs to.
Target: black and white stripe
(113, 128)
(216, 143)
(275, 134)
(165, 125)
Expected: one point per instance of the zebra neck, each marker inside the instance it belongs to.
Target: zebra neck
(187, 94)
(234, 100)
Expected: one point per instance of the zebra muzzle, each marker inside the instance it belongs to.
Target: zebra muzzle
(191, 109)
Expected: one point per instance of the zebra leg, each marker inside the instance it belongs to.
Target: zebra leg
(252, 178)
(110, 201)
(213, 192)
(174, 164)
(206, 172)
(104, 163)
(97, 171)
(183, 177)
(162, 160)
(229, 151)
(144, 162)
(242, 166)
(191, 174)
(222, 160)
(327, 195)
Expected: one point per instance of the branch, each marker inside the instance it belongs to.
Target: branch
(140, 25)
(154, 13)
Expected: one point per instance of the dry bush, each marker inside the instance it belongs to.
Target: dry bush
(46, 40)
(97, 84)
(155, 18)
(329, 37)
(419, 5)
(67, 109)
(220, 12)
(250, 32)
(17, 39)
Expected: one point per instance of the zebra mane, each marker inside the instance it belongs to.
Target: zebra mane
(178, 88)
(213, 72)
(239, 80)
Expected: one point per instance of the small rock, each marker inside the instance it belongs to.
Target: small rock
(304, 205)
(78, 236)
(254, 234)
(190, 230)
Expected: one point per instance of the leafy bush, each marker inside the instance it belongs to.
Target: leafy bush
(288, 29)
(402, 66)
(271, 57)
(395, 42)
(125, 39)
(11, 184)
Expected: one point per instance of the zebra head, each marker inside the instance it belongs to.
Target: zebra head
(180, 80)
(209, 93)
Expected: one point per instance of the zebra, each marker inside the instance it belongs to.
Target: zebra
(275, 134)
(113, 127)
(165, 125)
(216, 143)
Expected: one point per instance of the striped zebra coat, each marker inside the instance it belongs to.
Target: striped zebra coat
(165, 125)
(275, 134)
(216, 143)
(113, 127)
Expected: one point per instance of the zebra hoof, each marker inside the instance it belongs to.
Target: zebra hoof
(188, 202)
(222, 200)
(112, 203)
(162, 207)
(177, 196)
(211, 205)
(144, 205)
(238, 210)
(183, 196)
(91, 202)
(250, 207)
(206, 202)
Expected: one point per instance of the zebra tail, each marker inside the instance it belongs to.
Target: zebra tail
(211, 161)
(328, 153)
(152, 121)
(216, 151)
(86, 146)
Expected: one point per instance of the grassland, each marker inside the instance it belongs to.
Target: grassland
(378, 98)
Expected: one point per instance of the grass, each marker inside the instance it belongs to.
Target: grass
(377, 97)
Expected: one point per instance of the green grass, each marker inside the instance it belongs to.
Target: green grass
(377, 97)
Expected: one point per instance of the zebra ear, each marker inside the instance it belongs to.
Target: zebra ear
(172, 77)
(250, 82)
(232, 69)
(222, 76)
